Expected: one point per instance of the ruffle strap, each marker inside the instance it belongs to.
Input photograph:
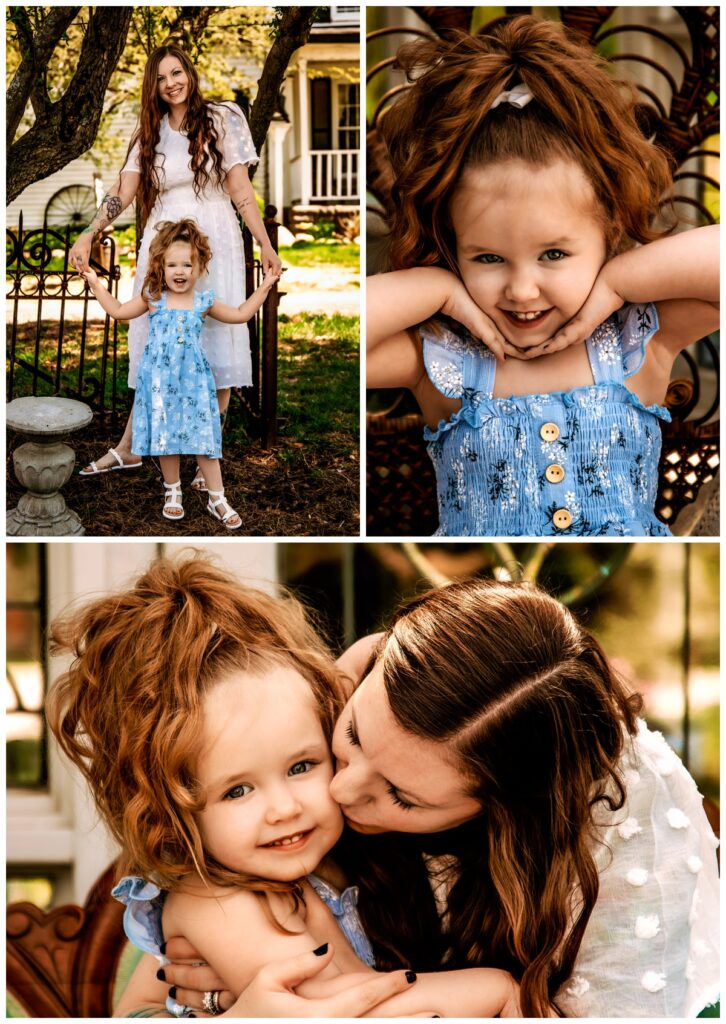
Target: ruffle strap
(144, 902)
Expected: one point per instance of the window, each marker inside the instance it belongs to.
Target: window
(25, 676)
(348, 115)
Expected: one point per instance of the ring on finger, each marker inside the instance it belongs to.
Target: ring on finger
(210, 1003)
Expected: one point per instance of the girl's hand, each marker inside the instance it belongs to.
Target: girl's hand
(89, 276)
(460, 306)
(600, 303)
(270, 260)
(271, 278)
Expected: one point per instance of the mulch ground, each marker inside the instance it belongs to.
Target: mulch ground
(286, 491)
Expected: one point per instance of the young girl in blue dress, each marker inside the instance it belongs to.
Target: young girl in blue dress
(534, 310)
(201, 712)
(175, 410)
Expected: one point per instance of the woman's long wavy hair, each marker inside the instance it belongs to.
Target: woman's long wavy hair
(167, 233)
(533, 715)
(129, 710)
(445, 124)
(198, 124)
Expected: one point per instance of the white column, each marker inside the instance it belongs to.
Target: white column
(276, 142)
(302, 84)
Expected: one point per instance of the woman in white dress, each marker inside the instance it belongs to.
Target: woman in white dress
(187, 158)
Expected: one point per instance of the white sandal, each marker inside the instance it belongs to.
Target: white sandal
(96, 471)
(217, 498)
(199, 483)
(172, 499)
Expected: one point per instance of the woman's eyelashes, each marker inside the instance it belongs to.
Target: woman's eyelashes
(352, 734)
(398, 799)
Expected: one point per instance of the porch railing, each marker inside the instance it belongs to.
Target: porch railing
(333, 174)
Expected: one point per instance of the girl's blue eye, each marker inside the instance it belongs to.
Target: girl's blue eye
(236, 792)
(352, 735)
(553, 255)
(488, 258)
(302, 767)
(397, 798)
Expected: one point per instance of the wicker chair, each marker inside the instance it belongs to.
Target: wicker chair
(401, 490)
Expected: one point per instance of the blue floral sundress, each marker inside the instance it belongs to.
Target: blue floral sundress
(579, 463)
(175, 409)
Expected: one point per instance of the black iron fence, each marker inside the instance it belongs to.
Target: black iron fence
(55, 347)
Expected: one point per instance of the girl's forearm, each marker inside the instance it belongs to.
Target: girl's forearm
(683, 266)
(250, 306)
(473, 992)
(108, 302)
(402, 299)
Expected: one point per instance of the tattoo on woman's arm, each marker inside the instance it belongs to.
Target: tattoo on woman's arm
(110, 208)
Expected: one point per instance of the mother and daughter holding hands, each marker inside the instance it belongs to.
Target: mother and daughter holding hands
(468, 801)
(187, 349)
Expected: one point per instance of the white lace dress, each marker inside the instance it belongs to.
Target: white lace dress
(226, 346)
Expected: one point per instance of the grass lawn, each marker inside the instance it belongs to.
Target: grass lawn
(307, 485)
(320, 254)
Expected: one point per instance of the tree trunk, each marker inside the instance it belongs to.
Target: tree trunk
(67, 128)
(294, 32)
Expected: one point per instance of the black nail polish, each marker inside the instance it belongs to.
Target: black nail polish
(191, 1015)
(172, 992)
(160, 974)
(321, 950)
(162, 947)
(410, 977)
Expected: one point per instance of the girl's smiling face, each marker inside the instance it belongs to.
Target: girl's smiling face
(181, 270)
(265, 768)
(529, 244)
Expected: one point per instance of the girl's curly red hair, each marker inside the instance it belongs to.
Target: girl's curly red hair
(128, 712)
(168, 232)
(445, 123)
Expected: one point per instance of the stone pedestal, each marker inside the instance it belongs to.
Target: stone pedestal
(44, 464)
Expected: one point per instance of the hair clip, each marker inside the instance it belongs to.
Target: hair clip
(519, 96)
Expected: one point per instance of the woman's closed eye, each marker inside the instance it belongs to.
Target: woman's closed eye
(352, 734)
(397, 798)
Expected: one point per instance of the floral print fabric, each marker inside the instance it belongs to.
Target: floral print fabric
(574, 463)
(176, 410)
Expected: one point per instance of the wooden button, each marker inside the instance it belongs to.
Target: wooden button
(549, 431)
(555, 473)
(562, 519)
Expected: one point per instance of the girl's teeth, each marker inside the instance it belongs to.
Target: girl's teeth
(289, 841)
(525, 316)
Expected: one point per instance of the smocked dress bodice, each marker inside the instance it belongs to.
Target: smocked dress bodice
(176, 410)
(580, 463)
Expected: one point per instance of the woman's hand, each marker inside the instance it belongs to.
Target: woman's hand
(80, 254)
(271, 993)
(271, 262)
(602, 301)
(460, 306)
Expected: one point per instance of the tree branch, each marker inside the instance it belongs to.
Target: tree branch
(294, 32)
(67, 128)
(36, 49)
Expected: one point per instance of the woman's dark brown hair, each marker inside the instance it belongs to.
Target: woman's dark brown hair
(128, 712)
(445, 124)
(530, 710)
(167, 233)
(198, 124)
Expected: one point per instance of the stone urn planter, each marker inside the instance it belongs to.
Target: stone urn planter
(43, 464)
